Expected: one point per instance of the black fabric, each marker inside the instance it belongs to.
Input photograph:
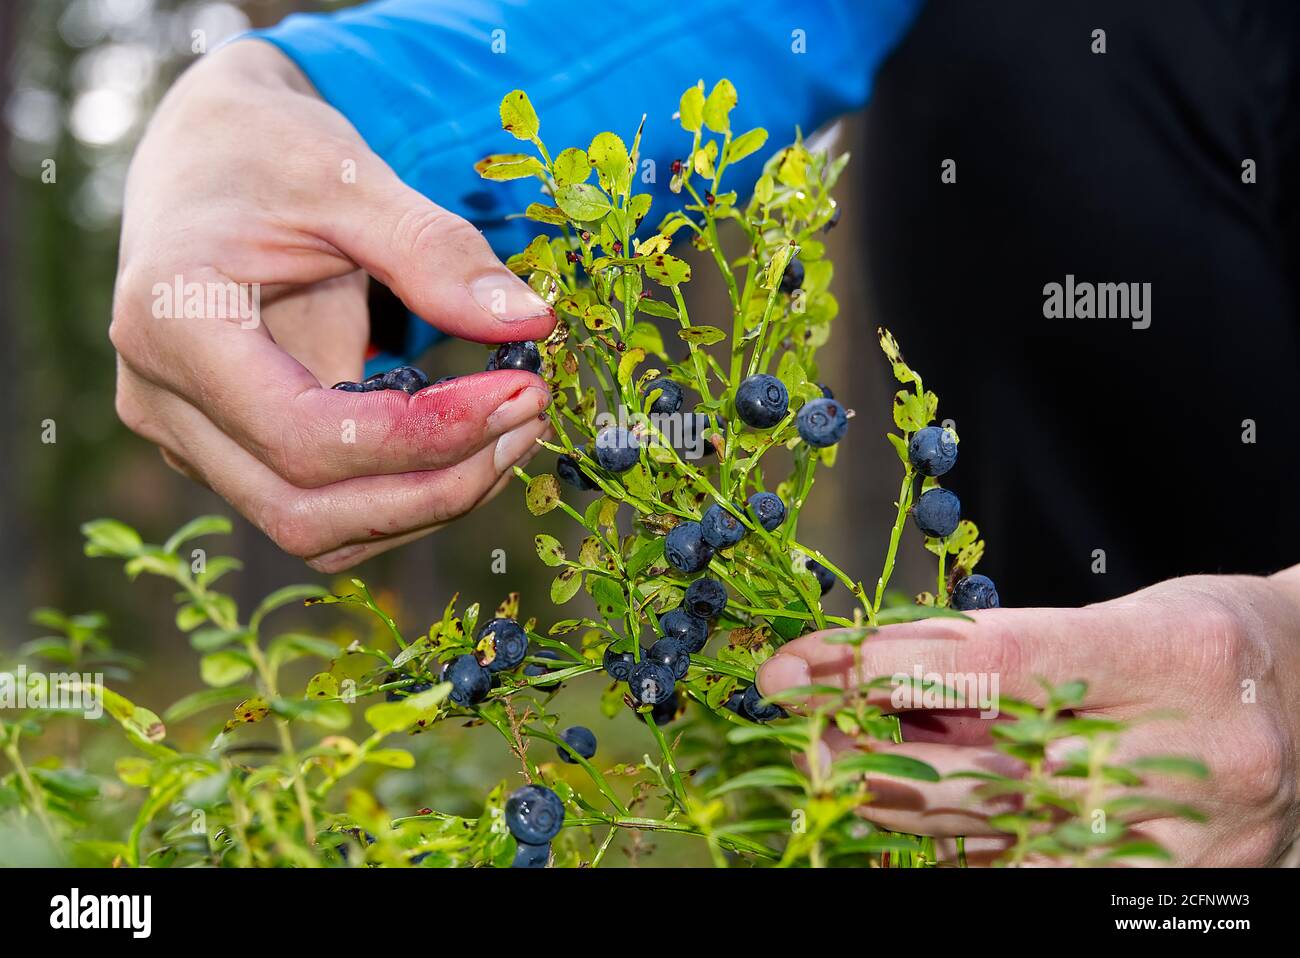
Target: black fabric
(1086, 434)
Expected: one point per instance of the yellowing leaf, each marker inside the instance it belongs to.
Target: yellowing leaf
(745, 144)
(667, 270)
(508, 166)
(691, 108)
(571, 166)
(543, 493)
(718, 106)
(518, 118)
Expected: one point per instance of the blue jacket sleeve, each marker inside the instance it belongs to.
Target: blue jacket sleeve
(421, 80)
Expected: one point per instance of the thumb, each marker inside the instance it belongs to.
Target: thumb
(437, 263)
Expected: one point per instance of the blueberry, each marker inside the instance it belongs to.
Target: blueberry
(720, 528)
(374, 382)
(672, 655)
(974, 592)
(580, 739)
(406, 691)
(768, 509)
(406, 378)
(753, 707)
(825, 577)
(933, 451)
(826, 391)
(470, 682)
(688, 629)
(618, 664)
(667, 710)
(685, 548)
(533, 669)
(530, 856)
(735, 702)
(669, 399)
(706, 598)
(762, 401)
(822, 422)
(937, 513)
(534, 814)
(617, 449)
(509, 643)
(650, 682)
(792, 278)
(350, 387)
(833, 221)
(525, 356)
(566, 467)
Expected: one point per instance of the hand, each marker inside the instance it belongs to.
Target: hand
(241, 179)
(1194, 646)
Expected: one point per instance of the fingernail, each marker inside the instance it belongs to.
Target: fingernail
(515, 444)
(782, 672)
(507, 298)
(519, 409)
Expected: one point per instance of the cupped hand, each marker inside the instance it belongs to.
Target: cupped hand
(1217, 658)
(245, 176)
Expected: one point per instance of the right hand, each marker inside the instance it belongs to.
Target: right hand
(240, 179)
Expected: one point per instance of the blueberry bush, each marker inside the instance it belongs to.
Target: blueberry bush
(685, 480)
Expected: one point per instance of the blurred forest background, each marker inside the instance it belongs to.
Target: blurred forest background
(80, 79)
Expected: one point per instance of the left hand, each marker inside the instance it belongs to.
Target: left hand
(1220, 652)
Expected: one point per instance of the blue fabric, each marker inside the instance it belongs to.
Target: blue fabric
(420, 81)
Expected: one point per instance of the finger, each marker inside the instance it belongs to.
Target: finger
(351, 555)
(999, 652)
(311, 522)
(324, 325)
(437, 263)
(309, 435)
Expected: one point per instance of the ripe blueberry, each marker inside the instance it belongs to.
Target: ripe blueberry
(768, 509)
(374, 382)
(534, 814)
(975, 592)
(826, 391)
(470, 682)
(669, 399)
(525, 356)
(406, 378)
(706, 598)
(406, 691)
(933, 451)
(350, 387)
(762, 401)
(937, 513)
(667, 710)
(685, 548)
(566, 467)
(533, 669)
(688, 629)
(825, 577)
(650, 682)
(671, 655)
(720, 528)
(618, 664)
(530, 856)
(580, 739)
(617, 449)
(822, 422)
(792, 278)
(735, 702)
(753, 706)
(509, 643)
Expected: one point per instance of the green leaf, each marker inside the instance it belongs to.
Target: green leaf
(566, 586)
(582, 202)
(609, 157)
(571, 166)
(282, 597)
(509, 166)
(67, 783)
(391, 758)
(771, 776)
(883, 763)
(225, 667)
(209, 640)
(322, 685)
(550, 551)
(108, 537)
(200, 526)
(518, 118)
(542, 494)
(551, 215)
(294, 645)
(701, 335)
(1171, 765)
(691, 108)
(745, 144)
(718, 106)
